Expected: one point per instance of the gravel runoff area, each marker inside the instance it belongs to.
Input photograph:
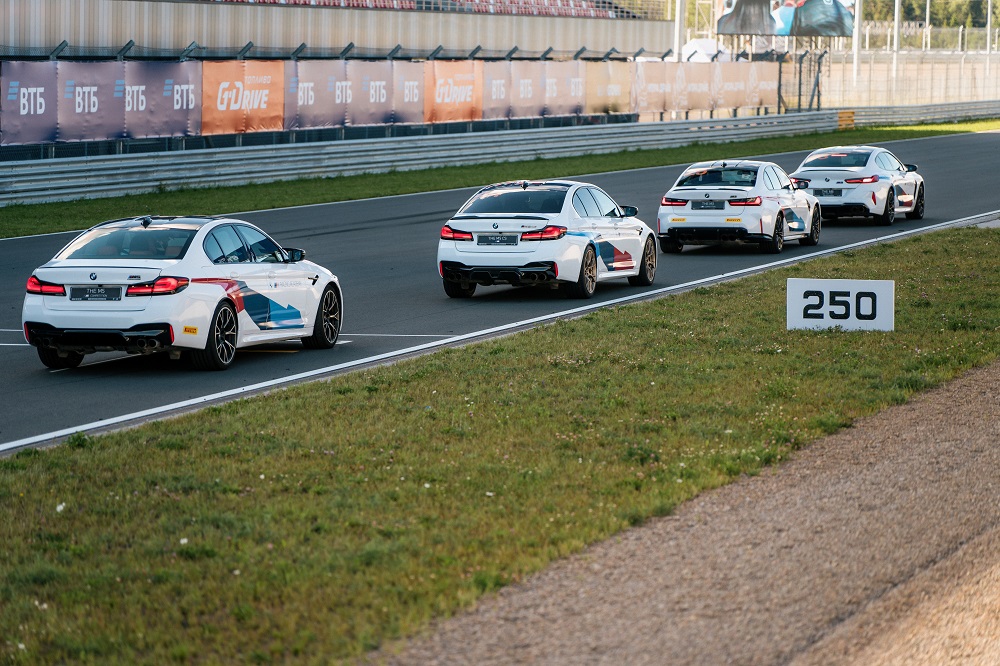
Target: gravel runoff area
(876, 545)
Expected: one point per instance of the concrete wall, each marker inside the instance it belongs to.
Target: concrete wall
(174, 25)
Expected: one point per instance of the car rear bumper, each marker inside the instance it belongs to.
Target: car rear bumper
(705, 235)
(140, 339)
(846, 210)
(538, 272)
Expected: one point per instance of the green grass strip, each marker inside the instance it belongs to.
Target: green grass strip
(21, 220)
(322, 521)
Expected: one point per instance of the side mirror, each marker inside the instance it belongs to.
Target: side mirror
(629, 211)
(910, 168)
(295, 255)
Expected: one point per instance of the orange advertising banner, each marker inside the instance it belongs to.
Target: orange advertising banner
(609, 87)
(242, 96)
(694, 89)
(738, 85)
(762, 84)
(454, 91)
(650, 87)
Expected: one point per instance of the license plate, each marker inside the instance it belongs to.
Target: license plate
(708, 205)
(95, 293)
(496, 239)
(827, 193)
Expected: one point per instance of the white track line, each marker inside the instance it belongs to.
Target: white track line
(261, 386)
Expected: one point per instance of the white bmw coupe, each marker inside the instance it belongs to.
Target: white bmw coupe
(557, 233)
(206, 286)
(737, 200)
(862, 181)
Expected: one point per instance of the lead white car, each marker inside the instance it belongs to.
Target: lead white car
(737, 200)
(558, 233)
(202, 285)
(862, 181)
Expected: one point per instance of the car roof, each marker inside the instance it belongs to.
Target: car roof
(737, 163)
(525, 184)
(843, 148)
(161, 221)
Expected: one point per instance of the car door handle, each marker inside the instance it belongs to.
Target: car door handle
(234, 274)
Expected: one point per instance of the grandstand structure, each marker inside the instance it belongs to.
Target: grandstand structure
(611, 9)
(373, 26)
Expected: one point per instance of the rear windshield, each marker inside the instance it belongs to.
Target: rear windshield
(130, 243)
(531, 200)
(718, 176)
(843, 158)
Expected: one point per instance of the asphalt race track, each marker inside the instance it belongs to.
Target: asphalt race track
(384, 251)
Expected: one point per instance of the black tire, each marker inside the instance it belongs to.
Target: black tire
(220, 348)
(814, 230)
(459, 289)
(647, 266)
(918, 208)
(888, 215)
(326, 330)
(671, 247)
(51, 358)
(777, 241)
(586, 284)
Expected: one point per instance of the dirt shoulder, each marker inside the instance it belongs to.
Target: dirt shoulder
(877, 545)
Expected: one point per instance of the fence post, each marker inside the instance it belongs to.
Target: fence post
(801, 58)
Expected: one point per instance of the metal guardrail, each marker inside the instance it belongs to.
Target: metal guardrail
(40, 181)
(930, 113)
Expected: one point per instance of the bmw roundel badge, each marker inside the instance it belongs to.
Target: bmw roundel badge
(93, 276)
(496, 226)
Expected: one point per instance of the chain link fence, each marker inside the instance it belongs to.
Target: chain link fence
(814, 80)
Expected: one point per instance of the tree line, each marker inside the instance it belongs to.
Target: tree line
(944, 13)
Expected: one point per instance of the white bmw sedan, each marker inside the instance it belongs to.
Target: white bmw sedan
(204, 286)
(737, 200)
(862, 181)
(557, 233)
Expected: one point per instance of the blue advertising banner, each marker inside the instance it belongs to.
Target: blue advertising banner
(407, 92)
(317, 94)
(162, 99)
(527, 89)
(496, 90)
(28, 102)
(91, 100)
(564, 87)
(373, 90)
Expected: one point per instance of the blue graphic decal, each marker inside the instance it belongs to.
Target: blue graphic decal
(795, 223)
(268, 314)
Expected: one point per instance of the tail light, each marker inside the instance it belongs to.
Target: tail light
(36, 286)
(447, 233)
(158, 287)
(804, 181)
(667, 201)
(752, 201)
(551, 232)
(865, 180)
